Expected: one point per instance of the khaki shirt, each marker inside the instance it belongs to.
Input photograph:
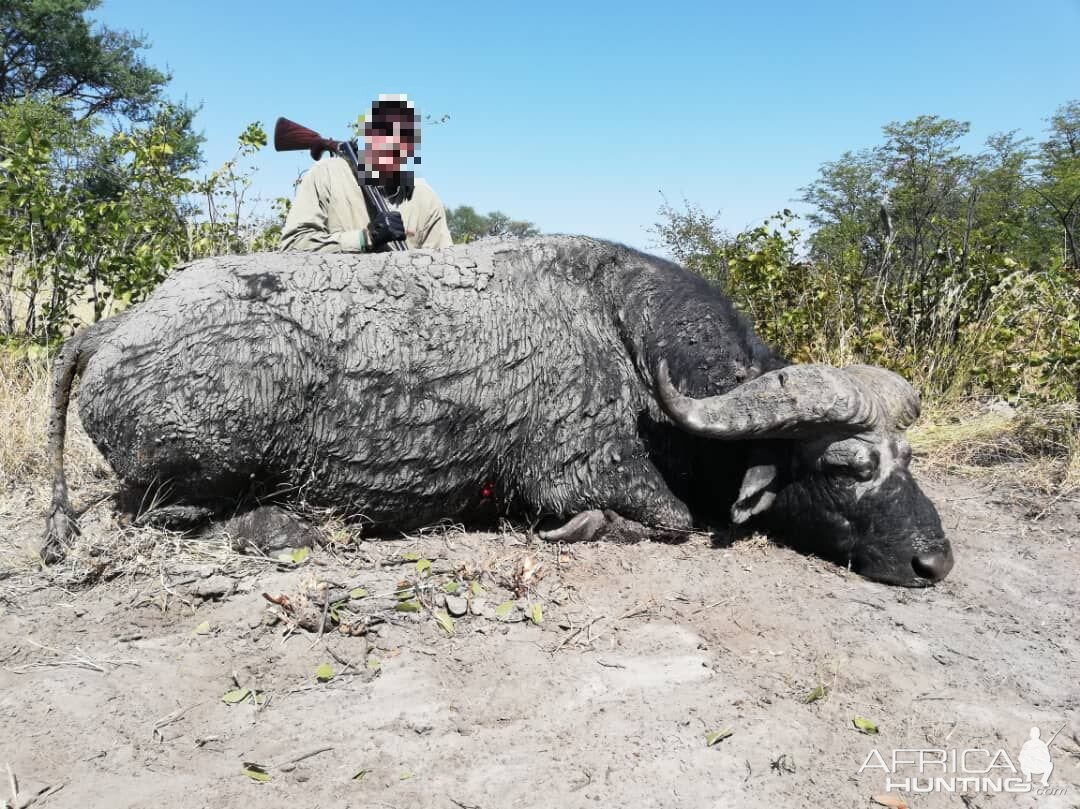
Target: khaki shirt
(329, 213)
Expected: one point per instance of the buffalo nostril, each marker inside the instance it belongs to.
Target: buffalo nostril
(933, 566)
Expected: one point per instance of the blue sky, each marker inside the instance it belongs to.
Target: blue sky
(577, 115)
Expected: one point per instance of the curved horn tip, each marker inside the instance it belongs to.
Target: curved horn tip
(896, 397)
(673, 402)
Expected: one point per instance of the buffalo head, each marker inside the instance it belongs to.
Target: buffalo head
(829, 468)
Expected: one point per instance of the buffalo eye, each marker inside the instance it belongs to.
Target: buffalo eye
(852, 459)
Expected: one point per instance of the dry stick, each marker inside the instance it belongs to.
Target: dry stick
(300, 758)
(575, 633)
(14, 786)
(168, 720)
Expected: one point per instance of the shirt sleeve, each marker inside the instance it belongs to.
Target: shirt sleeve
(435, 233)
(305, 226)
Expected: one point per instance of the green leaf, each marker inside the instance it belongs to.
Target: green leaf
(358, 592)
(422, 566)
(818, 693)
(475, 588)
(256, 772)
(446, 623)
(411, 556)
(324, 673)
(504, 609)
(451, 587)
(203, 628)
(404, 594)
(407, 606)
(865, 725)
(537, 614)
(405, 776)
(235, 695)
(714, 736)
(373, 664)
(300, 554)
(360, 775)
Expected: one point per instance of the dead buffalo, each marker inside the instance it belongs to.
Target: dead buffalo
(555, 376)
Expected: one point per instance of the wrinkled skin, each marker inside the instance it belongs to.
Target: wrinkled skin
(510, 377)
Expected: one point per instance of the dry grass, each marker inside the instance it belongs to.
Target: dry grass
(1035, 446)
(24, 398)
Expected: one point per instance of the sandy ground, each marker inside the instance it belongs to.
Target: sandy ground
(111, 691)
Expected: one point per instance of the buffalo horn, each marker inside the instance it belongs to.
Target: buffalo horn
(796, 401)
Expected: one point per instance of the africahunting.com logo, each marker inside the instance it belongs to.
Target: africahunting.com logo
(963, 770)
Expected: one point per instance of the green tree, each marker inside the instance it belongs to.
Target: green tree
(1059, 173)
(693, 238)
(50, 47)
(467, 225)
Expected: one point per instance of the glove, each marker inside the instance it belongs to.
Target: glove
(384, 228)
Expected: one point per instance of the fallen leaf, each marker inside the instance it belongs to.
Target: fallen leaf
(256, 772)
(445, 621)
(405, 776)
(407, 606)
(238, 695)
(715, 736)
(818, 693)
(537, 614)
(864, 725)
(891, 800)
(422, 566)
(358, 592)
(411, 556)
(203, 628)
(324, 673)
(504, 609)
(235, 695)
(451, 587)
(300, 554)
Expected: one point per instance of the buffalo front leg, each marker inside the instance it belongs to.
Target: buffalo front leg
(642, 507)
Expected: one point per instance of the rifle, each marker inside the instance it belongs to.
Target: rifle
(290, 136)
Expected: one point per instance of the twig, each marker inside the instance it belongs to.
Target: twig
(168, 720)
(82, 661)
(463, 805)
(575, 633)
(298, 759)
(14, 786)
(709, 606)
(325, 611)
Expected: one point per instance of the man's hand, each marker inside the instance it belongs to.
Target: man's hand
(384, 228)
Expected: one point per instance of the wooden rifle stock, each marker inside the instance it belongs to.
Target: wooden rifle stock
(290, 136)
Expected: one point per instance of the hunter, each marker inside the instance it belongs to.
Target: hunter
(329, 213)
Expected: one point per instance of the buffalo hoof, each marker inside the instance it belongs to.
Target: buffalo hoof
(579, 528)
(596, 524)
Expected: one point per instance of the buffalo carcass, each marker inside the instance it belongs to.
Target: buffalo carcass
(558, 376)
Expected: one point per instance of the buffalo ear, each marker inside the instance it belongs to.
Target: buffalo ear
(757, 493)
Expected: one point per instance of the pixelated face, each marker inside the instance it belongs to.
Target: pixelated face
(853, 500)
(389, 141)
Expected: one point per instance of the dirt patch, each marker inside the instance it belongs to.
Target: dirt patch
(112, 694)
